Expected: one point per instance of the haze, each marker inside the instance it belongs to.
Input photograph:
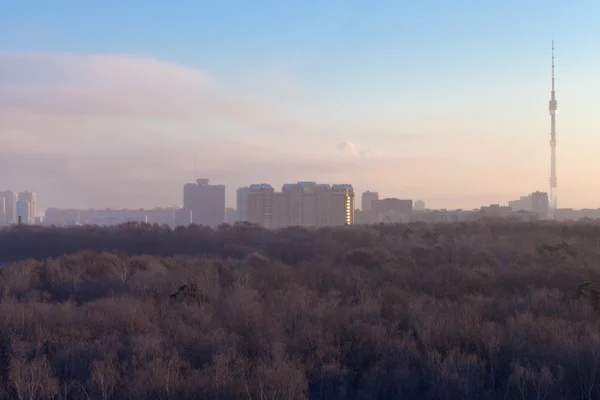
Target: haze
(106, 104)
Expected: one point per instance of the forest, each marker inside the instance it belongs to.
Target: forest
(490, 309)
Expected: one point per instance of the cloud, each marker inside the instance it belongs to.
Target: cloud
(352, 149)
(125, 86)
(119, 71)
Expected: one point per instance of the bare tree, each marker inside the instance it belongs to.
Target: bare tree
(105, 376)
(32, 380)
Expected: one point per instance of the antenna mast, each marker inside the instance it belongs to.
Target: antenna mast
(195, 174)
(553, 107)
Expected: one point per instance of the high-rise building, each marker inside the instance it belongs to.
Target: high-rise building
(206, 202)
(242, 203)
(312, 205)
(10, 207)
(341, 205)
(419, 205)
(24, 212)
(2, 211)
(292, 205)
(540, 204)
(366, 200)
(31, 198)
(260, 205)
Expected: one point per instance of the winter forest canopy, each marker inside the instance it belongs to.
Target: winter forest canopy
(479, 310)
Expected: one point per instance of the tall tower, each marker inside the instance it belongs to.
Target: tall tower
(553, 109)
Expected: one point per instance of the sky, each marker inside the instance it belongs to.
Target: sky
(119, 103)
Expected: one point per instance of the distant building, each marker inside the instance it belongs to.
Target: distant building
(341, 205)
(295, 199)
(419, 205)
(311, 204)
(110, 217)
(24, 212)
(523, 204)
(363, 217)
(170, 216)
(540, 204)
(367, 198)
(31, 198)
(206, 202)
(564, 214)
(259, 205)
(496, 210)
(298, 204)
(242, 203)
(60, 217)
(368, 214)
(2, 211)
(444, 215)
(183, 217)
(10, 207)
(162, 216)
(392, 210)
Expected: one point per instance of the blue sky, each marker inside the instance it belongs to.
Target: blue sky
(461, 86)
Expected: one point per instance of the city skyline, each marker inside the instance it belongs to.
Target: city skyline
(442, 103)
(307, 204)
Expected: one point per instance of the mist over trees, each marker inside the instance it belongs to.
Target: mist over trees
(479, 310)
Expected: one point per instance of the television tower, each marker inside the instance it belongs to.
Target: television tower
(553, 109)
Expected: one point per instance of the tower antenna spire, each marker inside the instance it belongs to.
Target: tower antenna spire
(195, 174)
(553, 66)
(553, 107)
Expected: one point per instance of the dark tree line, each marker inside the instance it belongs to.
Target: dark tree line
(482, 310)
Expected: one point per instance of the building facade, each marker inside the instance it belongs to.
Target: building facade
(183, 217)
(540, 204)
(10, 207)
(366, 200)
(392, 210)
(522, 204)
(341, 205)
(259, 203)
(307, 204)
(311, 204)
(2, 211)
(242, 203)
(419, 205)
(31, 199)
(24, 212)
(206, 202)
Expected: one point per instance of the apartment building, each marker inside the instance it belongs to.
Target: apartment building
(206, 202)
(392, 210)
(259, 201)
(306, 204)
(10, 207)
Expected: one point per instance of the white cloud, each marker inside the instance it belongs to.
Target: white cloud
(352, 149)
(75, 86)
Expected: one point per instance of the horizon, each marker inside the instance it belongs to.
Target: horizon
(447, 103)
